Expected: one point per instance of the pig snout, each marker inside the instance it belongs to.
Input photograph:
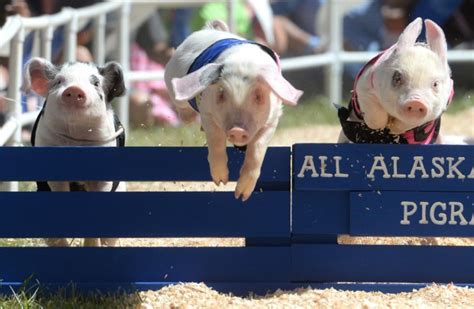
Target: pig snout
(415, 109)
(74, 95)
(238, 136)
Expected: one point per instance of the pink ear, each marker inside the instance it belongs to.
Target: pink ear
(436, 40)
(280, 86)
(37, 74)
(410, 34)
(188, 86)
(39, 84)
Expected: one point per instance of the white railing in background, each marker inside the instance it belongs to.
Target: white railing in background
(16, 28)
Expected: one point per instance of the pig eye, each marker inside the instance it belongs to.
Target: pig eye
(397, 79)
(221, 95)
(436, 84)
(258, 97)
(94, 80)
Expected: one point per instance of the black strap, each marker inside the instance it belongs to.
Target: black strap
(359, 132)
(42, 186)
(120, 143)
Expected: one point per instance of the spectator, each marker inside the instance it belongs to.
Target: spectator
(179, 25)
(377, 24)
(149, 100)
(373, 26)
(30, 8)
(296, 20)
(286, 38)
(3, 94)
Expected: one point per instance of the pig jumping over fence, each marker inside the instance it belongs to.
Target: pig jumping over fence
(400, 95)
(77, 112)
(237, 88)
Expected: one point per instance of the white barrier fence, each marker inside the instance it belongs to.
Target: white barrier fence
(16, 28)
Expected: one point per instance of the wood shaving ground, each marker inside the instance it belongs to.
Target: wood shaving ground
(194, 295)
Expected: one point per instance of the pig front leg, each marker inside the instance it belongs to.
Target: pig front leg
(254, 155)
(217, 157)
(375, 115)
(58, 186)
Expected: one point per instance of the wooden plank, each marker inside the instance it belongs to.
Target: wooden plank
(320, 213)
(364, 263)
(383, 167)
(115, 265)
(144, 214)
(131, 164)
(393, 213)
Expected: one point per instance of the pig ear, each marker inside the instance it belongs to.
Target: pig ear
(436, 40)
(187, 87)
(280, 86)
(410, 34)
(114, 85)
(217, 24)
(36, 76)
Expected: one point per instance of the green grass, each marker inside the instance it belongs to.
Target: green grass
(461, 101)
(314, 111)
(34, 297)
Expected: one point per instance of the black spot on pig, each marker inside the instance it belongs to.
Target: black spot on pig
(113, 85)
(94, 80)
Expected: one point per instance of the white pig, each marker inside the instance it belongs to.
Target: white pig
(77, 112)
(400, 95)
(238, 90)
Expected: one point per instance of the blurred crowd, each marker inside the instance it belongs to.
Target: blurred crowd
(290, 27)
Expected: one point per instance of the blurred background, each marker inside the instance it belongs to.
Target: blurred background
(322, 43)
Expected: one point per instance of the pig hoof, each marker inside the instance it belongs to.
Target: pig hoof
(244, 188)
(220, 176)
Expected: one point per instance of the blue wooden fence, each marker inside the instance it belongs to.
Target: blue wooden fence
(290, 223)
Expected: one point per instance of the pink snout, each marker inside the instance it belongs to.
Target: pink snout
(415, 109)
(74, 95)
(237, 136)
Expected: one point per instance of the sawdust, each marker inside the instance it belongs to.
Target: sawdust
(193, 295)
